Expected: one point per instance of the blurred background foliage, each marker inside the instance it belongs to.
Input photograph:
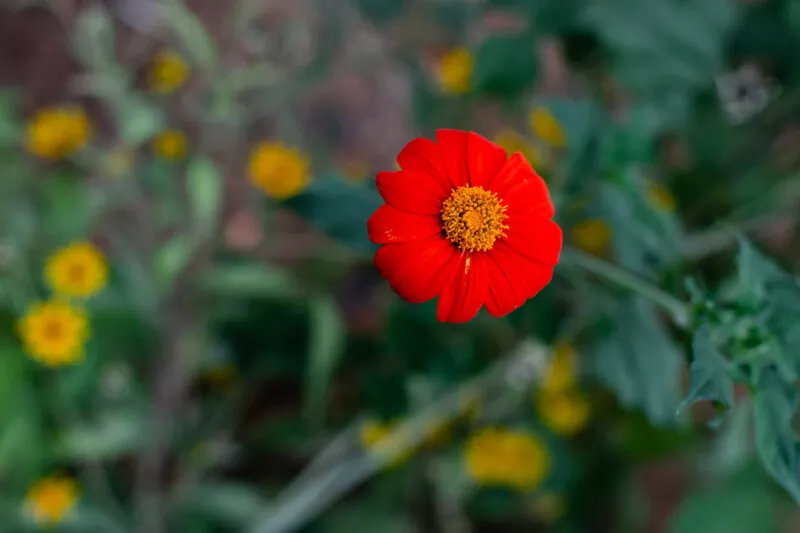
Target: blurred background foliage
(193, 337)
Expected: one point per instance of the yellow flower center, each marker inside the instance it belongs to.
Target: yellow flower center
(473, 218)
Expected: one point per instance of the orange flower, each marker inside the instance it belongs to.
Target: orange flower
(466, 223)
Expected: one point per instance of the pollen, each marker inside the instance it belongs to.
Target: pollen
(473, 219)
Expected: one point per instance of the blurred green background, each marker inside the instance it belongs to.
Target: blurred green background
(193, 337)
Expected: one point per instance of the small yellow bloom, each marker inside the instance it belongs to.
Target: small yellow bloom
(660, 197)
(454, 71)
(54, 333)
(498, 456)
(58, 132)
(549, 507)
(592, 236)
(168, 72)
(281, 172)
(374, 432)
(171, 145)
(78, 270)
(566, 413)
(546, 127)
(562, 368)
(51, 499)
(512, 142)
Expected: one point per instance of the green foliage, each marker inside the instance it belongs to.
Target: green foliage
(505, 65)
(640, 362)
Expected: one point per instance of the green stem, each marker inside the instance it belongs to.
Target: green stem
(571, 257)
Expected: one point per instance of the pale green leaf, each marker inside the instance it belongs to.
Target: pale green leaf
(192, 34)
(204, 186)
(93, 38)
(325, 350)
(113, 435)
(171, 259)
(708, 373)
(249, 280)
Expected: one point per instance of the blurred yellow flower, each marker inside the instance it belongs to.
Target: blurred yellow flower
(562, 368)
(51, 499)
(498, 456)
(78, 270)
(57, 132)
(54, 332)
(374, 432)
(454, 71)
(660, 197)
(592, 236)
(549, 507)
(168, 72)
(566, 412)
(546, 127)
(512, 142)
(278, 170)
(171, 145)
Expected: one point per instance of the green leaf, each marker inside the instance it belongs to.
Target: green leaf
(10, 124)
(366, 515)
(640, 362)
(171, 259)
(67, 209)
(138, 120)
(663, 47)
(777, 445)
(325, 350)
(113, 435)
(381, 11)
(505, 65)
(709, 373)
(193, 35)
(232, 505)
(742, 504)
(93, 41)
(204, 185)
(339, 209)
(755, 270)
(250, 280)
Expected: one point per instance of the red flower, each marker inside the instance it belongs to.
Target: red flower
(465, 223)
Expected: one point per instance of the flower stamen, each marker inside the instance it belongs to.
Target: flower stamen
(473, 219)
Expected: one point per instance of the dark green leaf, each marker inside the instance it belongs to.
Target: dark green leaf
(231, 505)
(709, 373)
(776, 442)
(505, 65)
(339, 210)
(381, 11)
(640, 362)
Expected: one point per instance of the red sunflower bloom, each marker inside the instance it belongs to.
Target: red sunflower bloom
(465, 223)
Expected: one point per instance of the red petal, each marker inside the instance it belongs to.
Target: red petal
(484, 159)
(414, 192)
(389, 224)
(465, 291)
(453, 147)
(388, 257)
(422, 155)
(522, 189)
(538, 239)
(502, 298)
(420, 276)
(527, 276)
